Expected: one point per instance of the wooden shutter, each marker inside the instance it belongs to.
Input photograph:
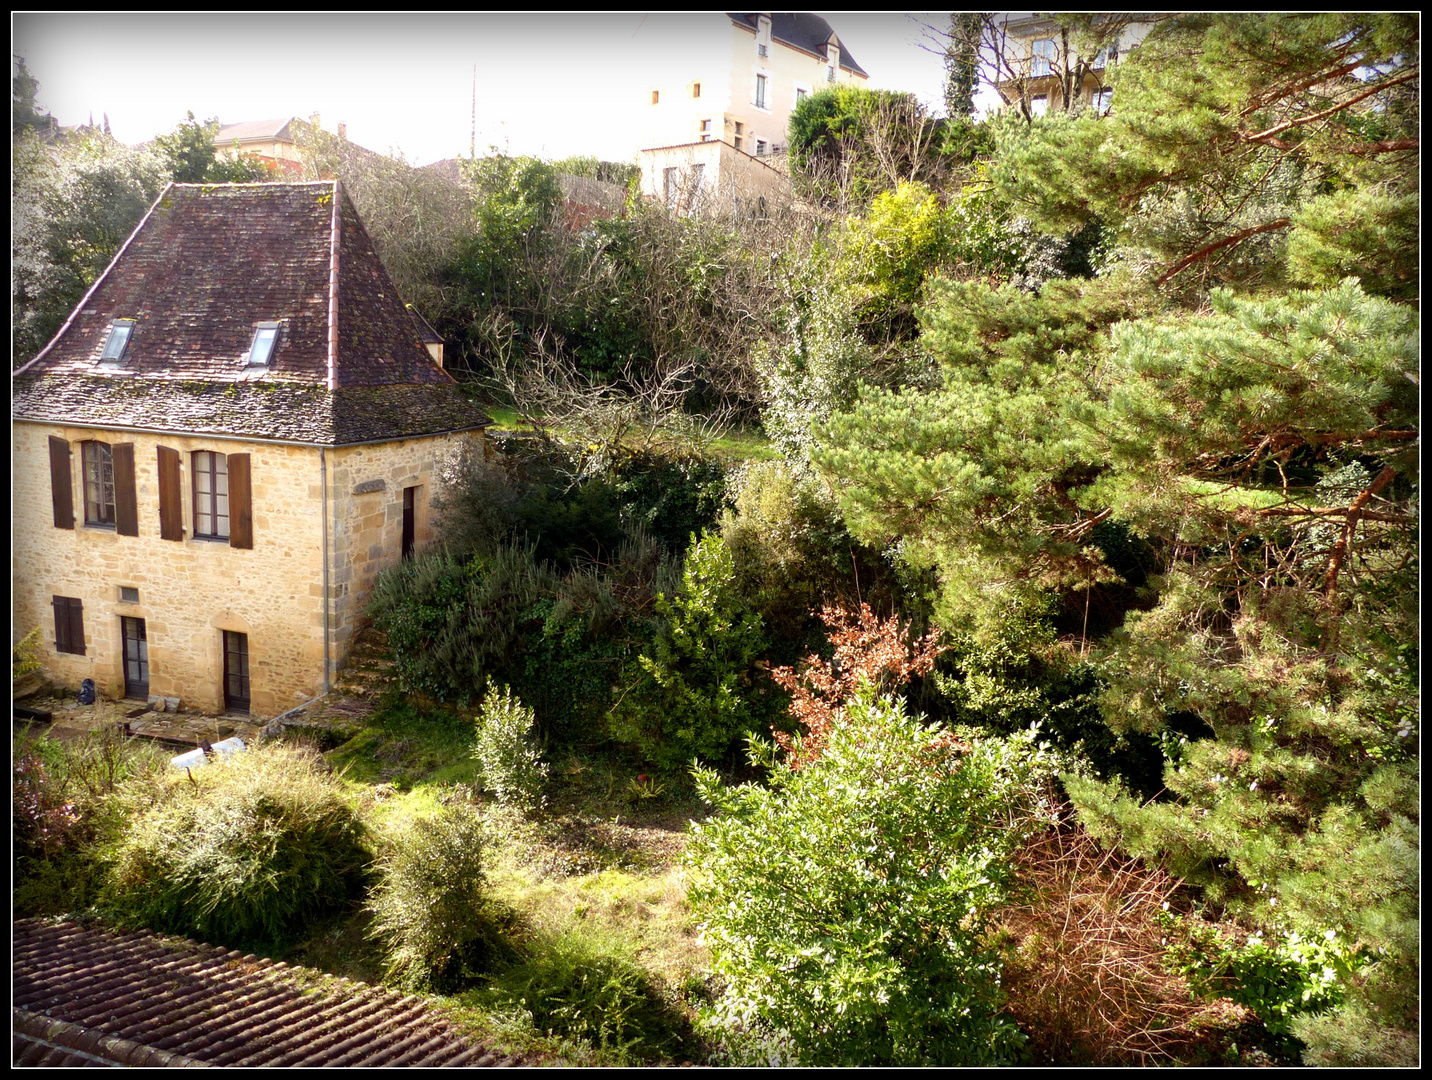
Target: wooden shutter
(61, 493)
(171, 496)
(241, 503)
(69, 625)
(126, 504)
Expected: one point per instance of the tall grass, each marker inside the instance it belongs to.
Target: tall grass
(248, 849)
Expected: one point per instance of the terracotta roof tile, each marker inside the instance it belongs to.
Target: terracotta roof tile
(90, 995)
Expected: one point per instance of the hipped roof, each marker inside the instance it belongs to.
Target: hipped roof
(210, 262)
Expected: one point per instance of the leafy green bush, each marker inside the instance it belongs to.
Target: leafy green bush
(512, 768)
(575, 986)
(692, 693)
(845, 903)
(428, 907)
(1278, 978)
(63, 809)
(249, 848)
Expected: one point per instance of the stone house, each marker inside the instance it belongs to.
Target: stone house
(234, 431)
(716, 140)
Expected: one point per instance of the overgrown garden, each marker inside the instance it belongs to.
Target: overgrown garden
(979, 600)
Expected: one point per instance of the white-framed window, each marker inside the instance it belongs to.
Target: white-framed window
(761, 49)
(830, 73)
(1042, 59)
(261, 349)
(1109, 54)
(762, 88)
(671, 186)
(760, 147)
(705, 130)
(698, 175)
(1103, 99)
(211, 495)
(117, 341)
(1039, 105)
(98, 461)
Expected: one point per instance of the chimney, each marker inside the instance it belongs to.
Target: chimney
(342, 130)
(314, 120)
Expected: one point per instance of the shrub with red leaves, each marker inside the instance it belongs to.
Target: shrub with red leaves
(867, 650)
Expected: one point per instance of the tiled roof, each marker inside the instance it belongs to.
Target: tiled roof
(287, 412)
(88, 995)
(803, 30)
(207, 265)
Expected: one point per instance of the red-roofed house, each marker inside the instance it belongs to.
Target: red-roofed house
(237, 427)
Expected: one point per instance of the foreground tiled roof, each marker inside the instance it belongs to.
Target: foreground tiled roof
(208, 264)
(288, 412)
(87, 995)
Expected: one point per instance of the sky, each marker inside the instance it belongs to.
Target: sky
(550, 85)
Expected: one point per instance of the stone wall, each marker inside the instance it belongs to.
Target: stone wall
(366, 511)
(192, 590)
(189, 590)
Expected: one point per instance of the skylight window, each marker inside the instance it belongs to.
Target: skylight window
(261, 351)
(114, 345)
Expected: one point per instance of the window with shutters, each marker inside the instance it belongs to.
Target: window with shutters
(69, 625)
(211, 495)
(99, 483)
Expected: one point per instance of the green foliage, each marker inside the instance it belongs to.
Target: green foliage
(248, 849)
(1369, 233)
(1278, 977)
(609, 172)
(25, 656)
(438, 929)
(848, 143)
(845, 902)
(512, 768)
(75, 208)
(193, 158)
(574, 985)
(889, 252)
(692, 692)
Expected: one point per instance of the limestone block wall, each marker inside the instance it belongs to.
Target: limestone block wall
(366, 485)
(189, 590)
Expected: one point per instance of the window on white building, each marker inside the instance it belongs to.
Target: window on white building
(1039, 106)
(1042, 62)
(761, 82)
(1102, 100)
(670, 181)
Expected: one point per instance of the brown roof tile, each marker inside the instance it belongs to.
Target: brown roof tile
(90, 995)
(206, 265)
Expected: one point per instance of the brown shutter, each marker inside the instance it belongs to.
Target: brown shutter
(69, 625)
(60, 490)
(241, 503)
(77, 626)
(126, 504)
(171, 497)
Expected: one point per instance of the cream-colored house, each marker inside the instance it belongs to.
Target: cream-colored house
(715, 141)
(234, 431)
(1044, 66)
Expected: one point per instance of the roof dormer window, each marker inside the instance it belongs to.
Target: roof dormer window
(118, 340)
(261, 351)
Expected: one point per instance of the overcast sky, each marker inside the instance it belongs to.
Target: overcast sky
(550, 84)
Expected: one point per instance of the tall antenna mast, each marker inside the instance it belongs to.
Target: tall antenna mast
(472, 145)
